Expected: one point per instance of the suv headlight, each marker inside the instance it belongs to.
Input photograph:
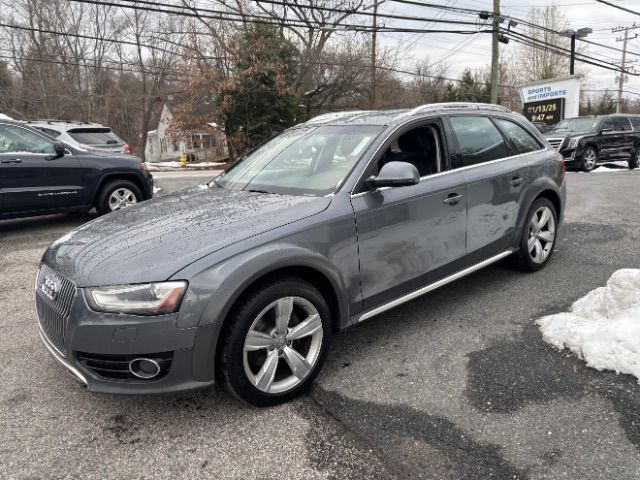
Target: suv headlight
(573, 142)
(144, 299)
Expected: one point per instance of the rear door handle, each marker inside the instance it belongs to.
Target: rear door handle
(452, 199)
(11, 160)
(517, 180)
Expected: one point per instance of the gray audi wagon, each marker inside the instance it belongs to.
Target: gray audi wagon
(246, 279)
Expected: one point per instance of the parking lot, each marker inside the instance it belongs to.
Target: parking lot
(455, 385)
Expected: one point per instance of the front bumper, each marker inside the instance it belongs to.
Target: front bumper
(86, 333)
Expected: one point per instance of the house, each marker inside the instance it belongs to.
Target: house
(207, 144)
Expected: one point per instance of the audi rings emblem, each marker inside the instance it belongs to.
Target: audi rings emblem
(50, 288)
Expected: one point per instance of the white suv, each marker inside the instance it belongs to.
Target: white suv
(88, 136)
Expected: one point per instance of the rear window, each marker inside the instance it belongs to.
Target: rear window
(95, 136)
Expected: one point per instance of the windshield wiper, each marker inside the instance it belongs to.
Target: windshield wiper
(257, 191)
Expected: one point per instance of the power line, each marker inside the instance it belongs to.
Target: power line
(624, 9)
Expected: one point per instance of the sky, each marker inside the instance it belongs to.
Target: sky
(462, 51)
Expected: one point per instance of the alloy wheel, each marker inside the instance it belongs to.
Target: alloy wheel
(120, 198)
(589, 159)
(283, 345)
(542, 234)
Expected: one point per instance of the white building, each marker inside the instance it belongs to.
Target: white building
(208, 145)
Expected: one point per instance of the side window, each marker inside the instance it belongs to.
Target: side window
(421, 147)
(50, 132)
(621, 124)
(479, 140)
(19, 140)
(607, 124)
(635, 121)
(520, 138)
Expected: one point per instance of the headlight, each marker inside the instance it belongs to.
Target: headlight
(144, 299)
(573, 142)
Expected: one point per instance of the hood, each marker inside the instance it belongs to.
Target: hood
(567, 134)
(155, 239)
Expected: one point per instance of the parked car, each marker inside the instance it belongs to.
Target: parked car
(39, 175)
(542, 127)
(91, 137)
(328, 224)
(586, 141)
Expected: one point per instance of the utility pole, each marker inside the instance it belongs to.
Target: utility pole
(572, 61)
(623, 66)
(495, 51)
(373, 54)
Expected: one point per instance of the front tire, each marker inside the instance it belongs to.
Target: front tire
(275, 342)
(589, 159)
(538, 236)
(117, 194)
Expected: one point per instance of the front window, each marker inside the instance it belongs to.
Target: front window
(302, 161)
(575, 125)
(14, 139)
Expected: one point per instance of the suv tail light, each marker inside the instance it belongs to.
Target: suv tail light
(127, 148)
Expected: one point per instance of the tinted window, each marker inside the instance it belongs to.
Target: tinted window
(635, 121)
(520, 138)
(95, 136)
(48, 131)
(607, 124)
(20, 140)
(479, 140)
(621, 124)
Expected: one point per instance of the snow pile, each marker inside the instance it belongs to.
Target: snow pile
(617, 166)
(603, 327)
(5, 117)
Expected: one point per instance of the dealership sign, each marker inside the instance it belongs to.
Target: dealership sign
(552, 100)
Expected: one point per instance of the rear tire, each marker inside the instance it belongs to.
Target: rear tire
(117, 194)
(589, 159)
(264, 362)
(634, 161)
(539, 236)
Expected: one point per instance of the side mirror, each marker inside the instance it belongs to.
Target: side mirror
(59, 150)
(606, 129)
(395, 174)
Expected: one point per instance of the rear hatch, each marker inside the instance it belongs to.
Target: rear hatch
(97, 138)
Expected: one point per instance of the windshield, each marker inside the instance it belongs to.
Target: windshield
(576, 125)
(301, 161)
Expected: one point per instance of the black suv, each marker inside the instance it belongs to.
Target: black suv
(586, 141)
(41, 176)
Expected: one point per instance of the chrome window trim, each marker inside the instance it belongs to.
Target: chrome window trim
(428, 288)
(468, 167)
(399, 127)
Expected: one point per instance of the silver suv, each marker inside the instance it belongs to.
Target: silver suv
(92, 137)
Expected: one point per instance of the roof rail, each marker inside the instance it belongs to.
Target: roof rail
(455, 106)
(335, 115)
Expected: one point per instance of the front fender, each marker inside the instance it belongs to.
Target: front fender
(213, 291)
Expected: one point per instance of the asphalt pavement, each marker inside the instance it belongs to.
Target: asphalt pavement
(455, 385)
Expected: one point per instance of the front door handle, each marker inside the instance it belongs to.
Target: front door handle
(517, 180)
(452, 199)
(11, 160)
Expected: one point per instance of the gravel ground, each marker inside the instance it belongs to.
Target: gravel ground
(455, 385)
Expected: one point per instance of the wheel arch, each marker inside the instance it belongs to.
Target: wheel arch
(232, 279)
(541, 188)
(132, 177)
